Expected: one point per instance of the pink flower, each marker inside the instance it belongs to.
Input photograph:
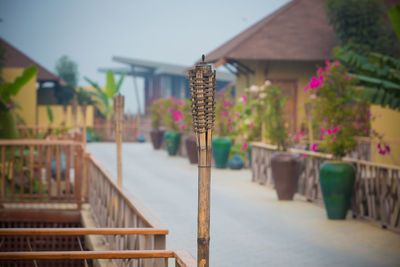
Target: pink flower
(178, 115)
(297, 137)
(314, 147)
(237, 114)
(319, 72)
(226, 104)
(244, 97)
(171, 109)
(252, 125)
(329, 131)
(321, 132)
(244, 146)
(321, 78)
(357, 125)
(224, 114)
(180, 103)
(347, 77)
(315, 83)
(379, 146)
(306, 88)
(303, 156)
(183, 127)
(231, 128)
(387, 148)
(229, 120)
(337, 63)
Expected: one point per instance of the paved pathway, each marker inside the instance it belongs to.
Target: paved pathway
(249, 227)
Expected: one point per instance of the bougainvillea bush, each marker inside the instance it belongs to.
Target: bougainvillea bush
(172, 116)
(224, 114)
(338, 110)
(157, 109)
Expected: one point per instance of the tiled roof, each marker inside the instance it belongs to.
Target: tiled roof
(16, 59)
(297, 31)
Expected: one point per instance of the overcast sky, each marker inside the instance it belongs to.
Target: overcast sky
(91, 32)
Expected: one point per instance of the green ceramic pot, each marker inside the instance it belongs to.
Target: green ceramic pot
(220, 150)
(337, 181)
(249, 151)
(172, 140)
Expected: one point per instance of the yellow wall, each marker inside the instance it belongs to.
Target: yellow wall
(26, 98)
(387, 122)
(300, 71)
(58, 115)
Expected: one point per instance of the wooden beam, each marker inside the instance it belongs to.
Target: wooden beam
(80, 231)
(78, 255)
(220, 63)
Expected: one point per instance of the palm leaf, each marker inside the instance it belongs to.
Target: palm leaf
(121, 79)
(110, 84)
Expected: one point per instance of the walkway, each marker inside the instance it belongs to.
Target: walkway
(249, 227)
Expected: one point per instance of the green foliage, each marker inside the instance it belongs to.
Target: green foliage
(378, 76)
(50, 115)
(336, 109)
(64, 94)
(274, 122)
(8, 89)
(360, 26)
(394, 14)
(67, 70)
(83, 96)
(103, 98)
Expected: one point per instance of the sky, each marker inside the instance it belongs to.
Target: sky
(91, 32)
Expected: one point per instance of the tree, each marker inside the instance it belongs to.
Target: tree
(361, 26)
(103, 98)
(67, 70)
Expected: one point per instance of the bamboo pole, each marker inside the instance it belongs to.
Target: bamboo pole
(84, 108)
(202, 83)
(118, 117)
(74, 112)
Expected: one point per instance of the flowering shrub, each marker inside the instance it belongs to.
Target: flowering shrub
(337, 110)
(157, 109)
(172, 116)
(225, 114)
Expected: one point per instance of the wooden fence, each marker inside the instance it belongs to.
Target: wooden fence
(41, 171)
(376, 191)
(52, 171)
(50, 132)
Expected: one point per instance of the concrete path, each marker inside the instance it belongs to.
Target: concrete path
(249, 227)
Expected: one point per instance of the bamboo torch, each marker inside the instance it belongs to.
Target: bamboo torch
(118, 118)
(202, 89)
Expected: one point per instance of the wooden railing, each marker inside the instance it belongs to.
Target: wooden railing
(377, 186)
(48, 132)
(52, 171)
(113, 206)
(41, 171)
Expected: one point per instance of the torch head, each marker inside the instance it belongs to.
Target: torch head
(202, 91)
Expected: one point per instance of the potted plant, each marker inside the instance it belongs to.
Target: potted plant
(190, 139)
(173, 119)
(221, 144)
(285, 166)
(333, 97)
(157, 109)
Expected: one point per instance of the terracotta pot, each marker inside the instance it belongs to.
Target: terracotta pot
(337, 181)
(191, 149)
(156, 138)
(285, 173)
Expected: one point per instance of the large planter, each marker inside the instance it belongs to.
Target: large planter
(220, 150)
(156, 138)
(285, 169)
(172, 140)
(191, 149)
(337, 181)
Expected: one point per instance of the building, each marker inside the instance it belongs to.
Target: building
(286, 48)
(163, 79)
(38, 94)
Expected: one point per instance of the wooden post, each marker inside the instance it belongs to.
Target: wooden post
(118, 117)
(74, 112)
(84, 107)
(309, 122)
(202, 85)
